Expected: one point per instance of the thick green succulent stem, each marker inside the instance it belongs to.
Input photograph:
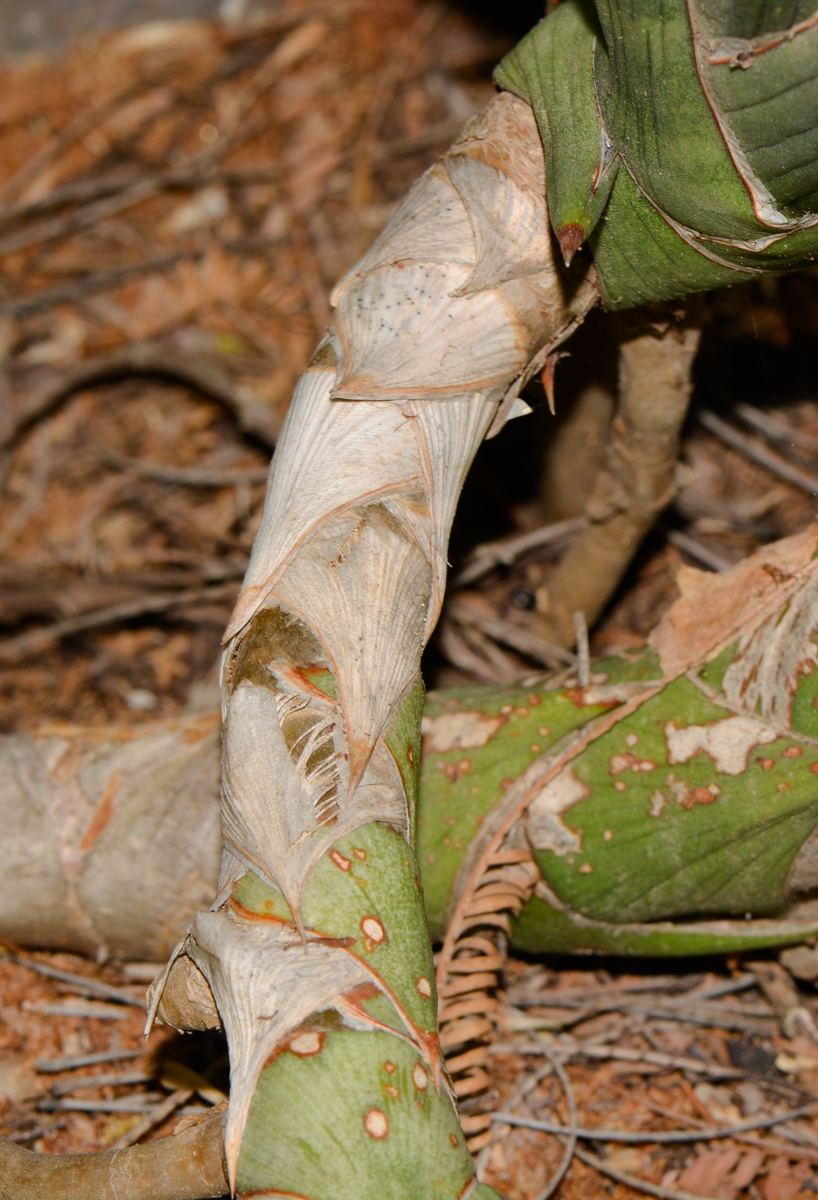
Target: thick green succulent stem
(683, 141)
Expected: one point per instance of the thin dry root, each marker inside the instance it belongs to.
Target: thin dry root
(635, 484)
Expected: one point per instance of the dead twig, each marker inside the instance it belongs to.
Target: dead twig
(505, 551)
(17, 649)
(583, 649)
(94, 987)
(709, 1133)
(64, 1087)
(695, 550)
(208, 477)
(656, 1058)
(758, 452)
(74, 1062)
(138, 1103)
(144, 358)
(571, 1129)
(775, 429)
(552, 656)
(631, 1181)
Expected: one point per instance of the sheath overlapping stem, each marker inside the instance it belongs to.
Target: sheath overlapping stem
(315, 956)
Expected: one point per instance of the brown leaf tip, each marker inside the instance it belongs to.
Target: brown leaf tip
(570, 238)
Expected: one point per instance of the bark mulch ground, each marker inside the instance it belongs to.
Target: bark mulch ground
(175, 205)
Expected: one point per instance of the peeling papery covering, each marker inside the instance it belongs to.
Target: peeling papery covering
(330, 457)
(510, 223)
(769, 661)
(367, 586)
(348, 569)
(265, 987)
(431, 225)
(271, 807)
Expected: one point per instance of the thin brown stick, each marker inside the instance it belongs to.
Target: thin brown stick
(702, 554)
(656, 1058)
(156, 1116)
(757, 452)
(19, 648)
(185, 1166)
(505, 551)
(776, 429)
(94, 987)
(571, 1129)
(651, 1137)
(538, 648)
(208, 477)
(73, 1062)
(631, 1181)
(137, 1103)
(64, 1087)
(144, 358)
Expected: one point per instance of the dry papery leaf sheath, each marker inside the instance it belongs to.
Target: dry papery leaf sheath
(317, 935)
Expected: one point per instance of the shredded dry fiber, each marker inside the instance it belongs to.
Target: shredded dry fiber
(321, 672)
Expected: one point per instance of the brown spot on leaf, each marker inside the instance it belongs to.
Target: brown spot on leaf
(373, 930)
(424, 987)
(359, 854)
(410, 754)
(376, 1124)
(792, 752)
(391, 1091)
(766, 764)
(453, 1139)
(307, 1043)
(460, 731)
(586, 868)
(343, 864)
(607, 835)
(389, 1068)
(420, 1077)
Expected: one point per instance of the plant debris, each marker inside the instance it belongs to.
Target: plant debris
(173, 214)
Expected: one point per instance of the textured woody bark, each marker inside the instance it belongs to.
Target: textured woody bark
(315, 952)
(636, 483)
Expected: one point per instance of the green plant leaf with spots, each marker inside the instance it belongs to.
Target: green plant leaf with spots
(681, 783)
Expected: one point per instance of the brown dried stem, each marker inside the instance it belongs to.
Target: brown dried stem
(636, 483)
(186, 1166)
